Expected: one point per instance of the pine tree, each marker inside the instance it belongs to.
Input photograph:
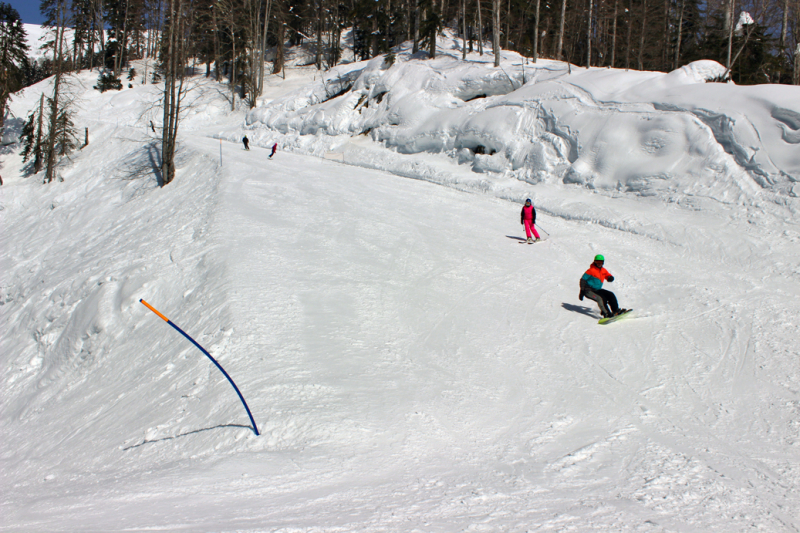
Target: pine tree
(65, 135)
(55, 12)
(13, 55)
(32, 148)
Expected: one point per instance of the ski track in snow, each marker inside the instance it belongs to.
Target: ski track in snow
(409, 366)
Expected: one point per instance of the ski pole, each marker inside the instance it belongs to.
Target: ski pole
(544, 230)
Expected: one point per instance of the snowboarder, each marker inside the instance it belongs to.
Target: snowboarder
(528, 219)
(591, 287)
(246, 142)
(274, 149)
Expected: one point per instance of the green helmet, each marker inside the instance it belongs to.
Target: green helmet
(599, 257)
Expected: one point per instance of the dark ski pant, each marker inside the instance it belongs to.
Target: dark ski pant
(604, 299)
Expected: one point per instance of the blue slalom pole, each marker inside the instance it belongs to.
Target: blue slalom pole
(168, 321)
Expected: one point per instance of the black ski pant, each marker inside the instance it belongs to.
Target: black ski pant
(604, 299)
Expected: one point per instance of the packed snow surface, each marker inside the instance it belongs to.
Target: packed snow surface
(410, 363)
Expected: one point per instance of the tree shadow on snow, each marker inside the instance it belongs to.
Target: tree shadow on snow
(582, 309)
(186, 434)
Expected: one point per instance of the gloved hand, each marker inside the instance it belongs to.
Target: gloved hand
(580, 296)
(610, 279)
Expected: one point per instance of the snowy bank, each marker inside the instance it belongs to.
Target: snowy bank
(644, 132)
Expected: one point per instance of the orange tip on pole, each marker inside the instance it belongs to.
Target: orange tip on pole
(153, 309)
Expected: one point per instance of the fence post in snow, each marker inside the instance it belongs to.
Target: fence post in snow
(168, 321)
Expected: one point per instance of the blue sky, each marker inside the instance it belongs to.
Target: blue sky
(28, 10)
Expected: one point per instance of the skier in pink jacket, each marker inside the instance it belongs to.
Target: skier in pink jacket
(528, 219)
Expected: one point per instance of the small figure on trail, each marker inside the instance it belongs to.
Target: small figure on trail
(274, 149)
(591, 287)
(528, 219)
(246, 142)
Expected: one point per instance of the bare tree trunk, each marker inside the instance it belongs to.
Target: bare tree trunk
(784, 24)
(230, 12)
(277, 66)
(253, 47)
(37, 161)
(665, 38)
(508, 22)
(121, 44)
(416, 27)
(589, 36)
(318, 59)
(496, 31)
(536, 34)
(50, 148)
(217, 64)
(263, 49)
(641, 40)
(233, 72)
(729, 27)
(480, 29)
(101, 29)
(173, 88)
(628, 41)
(796, 74)
(750, 28)
(407, 21)
(463, 8)
(75, 44)
(561, 30)
(677, 62)
(91, 44)
(375, 35)
(337, 37)
(614, 35)
(434, 31)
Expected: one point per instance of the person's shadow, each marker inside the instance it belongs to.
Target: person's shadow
(582, 309)
(516, 238)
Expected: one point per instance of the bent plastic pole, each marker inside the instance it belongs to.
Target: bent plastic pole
(168, 321)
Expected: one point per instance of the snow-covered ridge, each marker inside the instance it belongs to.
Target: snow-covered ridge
(644, 132)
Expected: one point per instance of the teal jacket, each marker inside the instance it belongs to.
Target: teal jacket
(594, 278)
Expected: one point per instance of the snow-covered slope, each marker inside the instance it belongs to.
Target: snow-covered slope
(38, 37)
(410, 364)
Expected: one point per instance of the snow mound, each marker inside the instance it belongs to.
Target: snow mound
(649, 133)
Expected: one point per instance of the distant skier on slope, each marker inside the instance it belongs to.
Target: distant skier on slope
(528, 219)
(246, 142)
(274, 149)
(591, 287)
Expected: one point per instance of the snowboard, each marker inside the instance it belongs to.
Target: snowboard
(611, 319)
